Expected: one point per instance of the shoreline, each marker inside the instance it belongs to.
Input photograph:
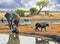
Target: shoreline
(28, 30)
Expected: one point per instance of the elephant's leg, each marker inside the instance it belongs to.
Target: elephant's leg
(17, 24)
(11, 23)
(10, 26)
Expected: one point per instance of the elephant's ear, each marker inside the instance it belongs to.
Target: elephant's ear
(7, 15)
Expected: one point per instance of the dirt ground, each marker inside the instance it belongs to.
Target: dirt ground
(29, 30)
(53, 29)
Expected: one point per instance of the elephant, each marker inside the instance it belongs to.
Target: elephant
(41, 25)
(12, 18)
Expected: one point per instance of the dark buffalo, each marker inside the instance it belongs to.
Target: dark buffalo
(41, 25)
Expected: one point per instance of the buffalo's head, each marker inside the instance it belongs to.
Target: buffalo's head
(47, 24)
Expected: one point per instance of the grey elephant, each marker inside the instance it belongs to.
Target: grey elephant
(12, 19)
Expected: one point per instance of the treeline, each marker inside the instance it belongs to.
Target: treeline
(34, 10)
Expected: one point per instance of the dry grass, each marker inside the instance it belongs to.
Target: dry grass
(42, 15)
(53, 29)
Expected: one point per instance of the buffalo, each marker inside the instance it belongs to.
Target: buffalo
(41, 25)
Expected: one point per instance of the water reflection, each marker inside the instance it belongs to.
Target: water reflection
(13, 39)
(17, 39)
(40, 41)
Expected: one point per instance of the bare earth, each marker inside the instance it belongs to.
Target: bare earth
(53, 29)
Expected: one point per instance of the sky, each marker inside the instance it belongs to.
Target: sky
(54, 5)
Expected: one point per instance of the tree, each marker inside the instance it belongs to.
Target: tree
(33, 10)
(20, 12)
(42, 4)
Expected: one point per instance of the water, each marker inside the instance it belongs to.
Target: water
(50, 21)
(18, 39)
(53, 21)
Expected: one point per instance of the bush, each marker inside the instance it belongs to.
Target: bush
(20, 12)
(33, 10)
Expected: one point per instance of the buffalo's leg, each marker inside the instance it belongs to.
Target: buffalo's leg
(41, 29)
(36, 28)
(45, 29)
